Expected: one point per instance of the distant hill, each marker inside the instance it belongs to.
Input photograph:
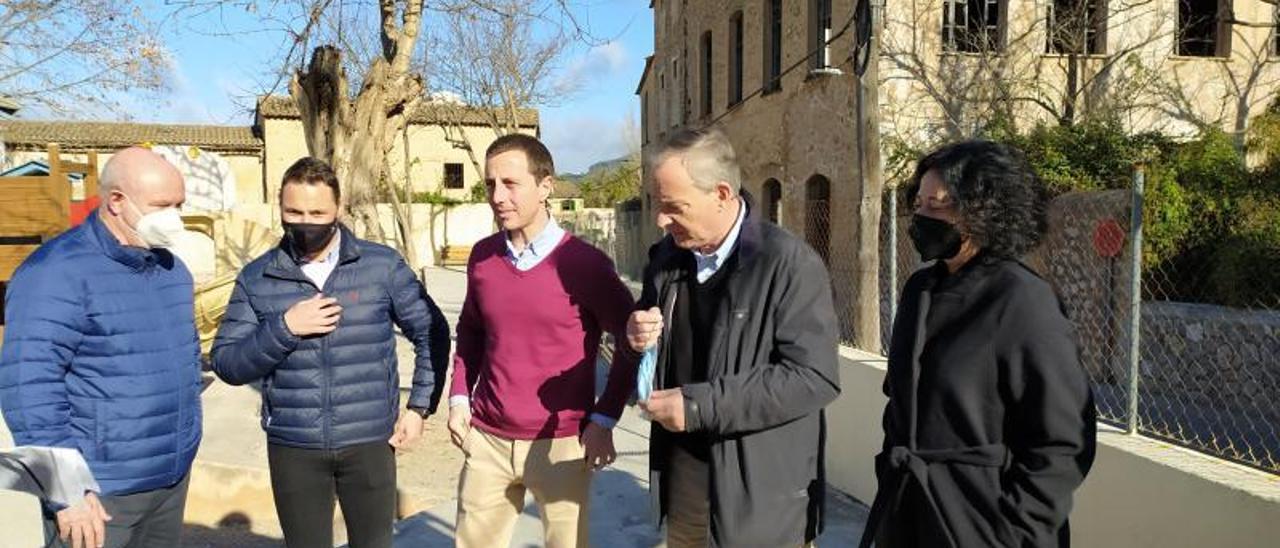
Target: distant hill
(598, 166)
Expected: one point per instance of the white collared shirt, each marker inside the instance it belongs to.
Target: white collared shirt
(537, 249)
(708, 264)
(318, 271)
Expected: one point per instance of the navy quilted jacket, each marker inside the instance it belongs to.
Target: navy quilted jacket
(100, 355)
(343, 388)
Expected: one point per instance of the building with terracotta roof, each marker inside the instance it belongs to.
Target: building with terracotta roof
(445, 141)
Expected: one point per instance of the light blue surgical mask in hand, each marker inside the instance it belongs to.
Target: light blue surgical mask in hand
(644, 375)
(649, 361)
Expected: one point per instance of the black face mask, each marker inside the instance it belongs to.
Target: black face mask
(309, 238)
(934, 238)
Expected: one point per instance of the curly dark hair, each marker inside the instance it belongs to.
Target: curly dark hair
(1003, 204)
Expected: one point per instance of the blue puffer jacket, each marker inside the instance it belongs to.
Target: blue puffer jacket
(343, 388)
(100, 354)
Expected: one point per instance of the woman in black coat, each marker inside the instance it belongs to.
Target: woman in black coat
(990, 422)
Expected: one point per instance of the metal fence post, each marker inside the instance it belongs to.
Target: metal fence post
(1135, 297)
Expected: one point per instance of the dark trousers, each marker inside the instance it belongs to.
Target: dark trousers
(150, 519)
(305, 481)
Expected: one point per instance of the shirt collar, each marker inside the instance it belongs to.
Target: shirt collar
(717, 257)
(541, 244)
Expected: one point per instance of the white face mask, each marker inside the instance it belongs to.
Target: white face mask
(158, 228)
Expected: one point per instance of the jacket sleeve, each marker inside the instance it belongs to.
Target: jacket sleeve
(421, 321)
(609, 302)
(245, 348)
(649, 287)
(1052, 435)
(468, 360)
(801, 376)
(45, 323)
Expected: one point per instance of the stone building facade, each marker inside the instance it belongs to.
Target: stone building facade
(762, 71)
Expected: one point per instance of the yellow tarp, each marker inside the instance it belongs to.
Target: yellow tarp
(211, 304)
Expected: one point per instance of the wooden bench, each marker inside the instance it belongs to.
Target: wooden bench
(455, 255)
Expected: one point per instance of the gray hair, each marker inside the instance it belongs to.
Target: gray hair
(705, 153)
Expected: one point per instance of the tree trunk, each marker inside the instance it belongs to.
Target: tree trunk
(355, 135)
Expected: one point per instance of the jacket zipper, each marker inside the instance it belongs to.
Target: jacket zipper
(326, 375)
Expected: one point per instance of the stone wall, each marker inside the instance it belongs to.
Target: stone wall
(1208, 359)
(1094, 287)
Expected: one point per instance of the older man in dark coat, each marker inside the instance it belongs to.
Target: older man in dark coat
(742, 316)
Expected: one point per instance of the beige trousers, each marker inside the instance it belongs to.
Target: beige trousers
(494, 478)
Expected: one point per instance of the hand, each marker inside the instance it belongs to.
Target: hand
(459, 423)
(314, 316)
(598, 442)
(407, 431)
(84, 525)
(666, 407)
(643, 328)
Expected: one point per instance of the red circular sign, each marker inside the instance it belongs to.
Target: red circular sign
(1108, 238)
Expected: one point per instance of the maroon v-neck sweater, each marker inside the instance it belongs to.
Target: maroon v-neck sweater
(528, 341)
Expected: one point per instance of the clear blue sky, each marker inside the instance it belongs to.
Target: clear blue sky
(216, 75)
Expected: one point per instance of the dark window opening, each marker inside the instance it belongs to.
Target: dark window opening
(773, 201)
(773, 45)
(1202, 29)
(707, 68)
(817, 222)
(1077, 27)
(453, 176)
(735, 61)
(972, 26)
(820, 34)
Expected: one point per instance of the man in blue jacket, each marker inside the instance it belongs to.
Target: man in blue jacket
(100, 355)
(311, 320)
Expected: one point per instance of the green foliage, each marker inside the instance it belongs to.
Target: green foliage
(479, 194)
(610, 186)
(1211, 225)
(1090, 156)
(1245, 266)
(435, 197)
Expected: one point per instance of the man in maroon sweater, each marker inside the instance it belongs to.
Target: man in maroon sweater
(522, 405)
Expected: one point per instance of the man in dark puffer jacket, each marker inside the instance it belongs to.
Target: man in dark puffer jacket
(312, 321)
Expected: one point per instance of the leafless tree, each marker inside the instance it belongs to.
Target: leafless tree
(1056, 64)
(78, 57)
(355, 70)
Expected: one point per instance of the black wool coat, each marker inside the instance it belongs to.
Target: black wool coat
(990, 425)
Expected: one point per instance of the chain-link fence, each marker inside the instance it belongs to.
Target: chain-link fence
(1203, 370)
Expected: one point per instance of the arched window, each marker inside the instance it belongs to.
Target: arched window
(817, 216)
(771, 199)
